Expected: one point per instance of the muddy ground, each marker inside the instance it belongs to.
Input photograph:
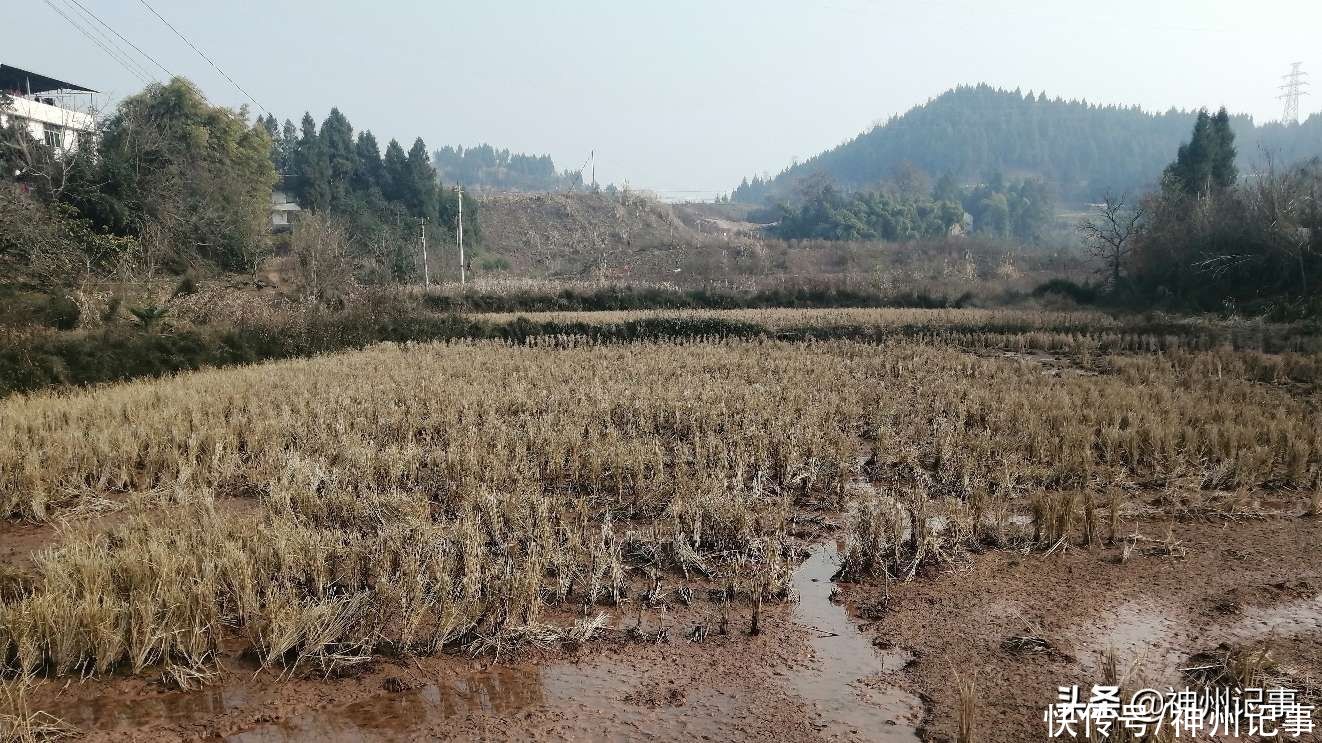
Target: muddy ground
(886, 671)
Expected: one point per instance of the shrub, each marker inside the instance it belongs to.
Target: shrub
(56, 310)
(1085, 293)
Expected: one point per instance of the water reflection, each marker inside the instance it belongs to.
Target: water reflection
(845, 661)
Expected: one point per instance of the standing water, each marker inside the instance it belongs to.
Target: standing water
(840, 687)
(844, 684)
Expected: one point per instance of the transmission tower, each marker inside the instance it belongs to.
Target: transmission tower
(1292, 90)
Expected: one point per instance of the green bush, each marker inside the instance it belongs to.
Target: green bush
(26, 309)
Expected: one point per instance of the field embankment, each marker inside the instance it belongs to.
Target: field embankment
(224, 329)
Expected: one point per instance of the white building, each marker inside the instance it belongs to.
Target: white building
(46, 106)
(284, 209)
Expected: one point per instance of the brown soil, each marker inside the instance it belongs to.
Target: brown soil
(1240, 582)
(888, 674)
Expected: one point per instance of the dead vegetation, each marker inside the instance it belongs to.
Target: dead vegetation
(19, 723)
(483, 496)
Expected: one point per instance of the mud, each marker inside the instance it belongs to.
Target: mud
(837, 681)
(815, 673)
(811, 675)
(1242, 582)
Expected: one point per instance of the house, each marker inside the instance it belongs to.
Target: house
(47, 107)
(284, 208)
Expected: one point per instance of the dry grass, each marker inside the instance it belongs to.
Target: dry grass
(412, 499)
(19, 723)
(1236, 667)
(968, 708)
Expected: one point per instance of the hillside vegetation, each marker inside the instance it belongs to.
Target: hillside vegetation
(1082, 149)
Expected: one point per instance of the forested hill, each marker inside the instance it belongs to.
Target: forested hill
(485, 166)
(1080, 149)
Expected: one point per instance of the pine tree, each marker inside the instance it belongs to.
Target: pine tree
(420, 191)
(1224, 172)
(395, 172)
(341, 158)
(370, 173)
(288, 151)
(1207, 162)
(312, 168)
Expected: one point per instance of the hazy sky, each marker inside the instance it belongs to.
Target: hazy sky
(684, 97)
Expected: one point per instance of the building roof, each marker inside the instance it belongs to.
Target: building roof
(12, 78)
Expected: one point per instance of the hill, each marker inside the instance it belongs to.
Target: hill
(1081, 149)
(577, 234)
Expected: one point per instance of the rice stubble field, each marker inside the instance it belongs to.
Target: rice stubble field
(565, 538)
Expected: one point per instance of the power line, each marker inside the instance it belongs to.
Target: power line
(150, 58)
(193, 46)
(96, 41)
(142, 72)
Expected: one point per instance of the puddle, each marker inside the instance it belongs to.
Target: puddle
(498, 690)
(1283, 620)
(562, 701)
(844, 661)
(1137, 630)
(107, 712)
(606, 697)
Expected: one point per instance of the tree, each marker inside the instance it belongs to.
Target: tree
(1111, 232)
(336, 139)
(910, 180)
(370, 174)
(947, 189)
(287, 149)
(395, 170)
(1224, 173)
(1206, 162)
(312, 168)
(419, 193)
(992, 214)
(195, 174)
(320, 245)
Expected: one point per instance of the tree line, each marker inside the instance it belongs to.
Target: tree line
(1211, 238)
(486, 167)
(1081, 150)
(997, 209)
(378, 200)
(172, 183)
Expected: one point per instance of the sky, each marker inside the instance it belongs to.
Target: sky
(683, 97)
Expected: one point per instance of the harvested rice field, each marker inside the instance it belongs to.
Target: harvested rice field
(917, 533)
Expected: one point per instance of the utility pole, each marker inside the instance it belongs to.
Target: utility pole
(460, 232)
(1293, 89)
(593, 155)
(426, 270)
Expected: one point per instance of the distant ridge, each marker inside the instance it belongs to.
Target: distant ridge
(1081, 149)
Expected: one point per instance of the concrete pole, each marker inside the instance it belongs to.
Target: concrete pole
(463, 279)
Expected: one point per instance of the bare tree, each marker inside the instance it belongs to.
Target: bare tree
(320, 244)
(1283, 206)
(1110, 233)
(44, 166)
